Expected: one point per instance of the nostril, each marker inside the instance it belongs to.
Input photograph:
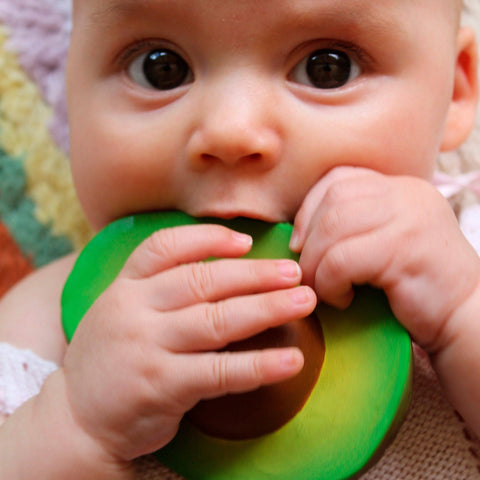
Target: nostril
(252, 147)
(253, 157)
(206, 157)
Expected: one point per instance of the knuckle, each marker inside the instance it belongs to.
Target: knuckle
(255, 269)
(215, 322)
(266, 306)
(161, 243)
(220, 372)
(332, 222)
(335, 193)
(118, 302)
(229, 376)
(335, 261)
(156, 375)
(256, 370)
(200, 280)
(258, 273)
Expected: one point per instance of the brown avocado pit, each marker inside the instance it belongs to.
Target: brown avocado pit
(252, 414)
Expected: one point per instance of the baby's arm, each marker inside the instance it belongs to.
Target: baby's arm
(40, 440)
(457, 363)
(30, 312)
(142, 356)
(398, 233)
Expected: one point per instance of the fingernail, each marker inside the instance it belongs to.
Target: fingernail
(242, 238)
(295, 241)
(291, 359)
(301, 295)
(288, 268)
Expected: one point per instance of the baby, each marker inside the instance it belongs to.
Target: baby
(328, 114)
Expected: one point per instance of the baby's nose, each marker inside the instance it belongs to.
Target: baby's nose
(232, 146)
(236, 127)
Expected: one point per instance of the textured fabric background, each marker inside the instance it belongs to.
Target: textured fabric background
(40, 218)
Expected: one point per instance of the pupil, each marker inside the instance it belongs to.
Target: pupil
(165, 69)
(329, 68)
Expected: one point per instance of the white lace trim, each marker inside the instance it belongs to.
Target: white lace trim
(470, 224)
(22, 374)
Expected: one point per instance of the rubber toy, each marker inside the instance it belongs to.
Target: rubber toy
(354, 409)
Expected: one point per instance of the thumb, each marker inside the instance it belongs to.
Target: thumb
(313, 199)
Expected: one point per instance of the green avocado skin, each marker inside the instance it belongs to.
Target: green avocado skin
(355, 409)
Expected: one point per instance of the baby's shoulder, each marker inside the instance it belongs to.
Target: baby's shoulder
(30, 311)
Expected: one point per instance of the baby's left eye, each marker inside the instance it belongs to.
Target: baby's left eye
(160, 69)
(326, 68)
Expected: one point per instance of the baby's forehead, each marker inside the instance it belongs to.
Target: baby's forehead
(114, 6)
(249, 14)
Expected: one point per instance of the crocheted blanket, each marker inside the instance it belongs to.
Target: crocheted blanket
(40, 218)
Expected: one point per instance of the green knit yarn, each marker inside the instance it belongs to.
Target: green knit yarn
(17, 212)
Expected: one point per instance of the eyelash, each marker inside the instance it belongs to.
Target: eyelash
(137, 47)
(353, 50)
(358, 53)
(141, 46)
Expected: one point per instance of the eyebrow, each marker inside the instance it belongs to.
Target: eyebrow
(118, 8)
(113, 11)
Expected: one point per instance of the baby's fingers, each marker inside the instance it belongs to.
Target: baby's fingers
(215, 374)
(174, 246)
(211, 326)
(199, 282)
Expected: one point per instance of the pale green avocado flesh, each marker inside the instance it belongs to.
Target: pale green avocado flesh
(355, 408)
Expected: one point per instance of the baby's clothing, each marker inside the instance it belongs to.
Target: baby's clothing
(22, 374)
(470, 223)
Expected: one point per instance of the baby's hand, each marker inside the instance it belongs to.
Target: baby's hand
(397, 233)
(144, 353)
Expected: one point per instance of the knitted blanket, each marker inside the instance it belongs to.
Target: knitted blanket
(40, 219)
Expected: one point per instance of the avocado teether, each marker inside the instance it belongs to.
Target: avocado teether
(359, 374)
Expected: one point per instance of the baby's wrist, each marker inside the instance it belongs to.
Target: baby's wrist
(462, 325)
(456, 363)
(75, 445)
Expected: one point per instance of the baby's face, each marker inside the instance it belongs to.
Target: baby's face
(237, 107)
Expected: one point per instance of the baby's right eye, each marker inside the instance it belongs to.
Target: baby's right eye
(160, 69)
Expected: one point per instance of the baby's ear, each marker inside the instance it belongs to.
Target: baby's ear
(463, 106)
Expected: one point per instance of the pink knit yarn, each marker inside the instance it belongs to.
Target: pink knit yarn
(39, 33)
